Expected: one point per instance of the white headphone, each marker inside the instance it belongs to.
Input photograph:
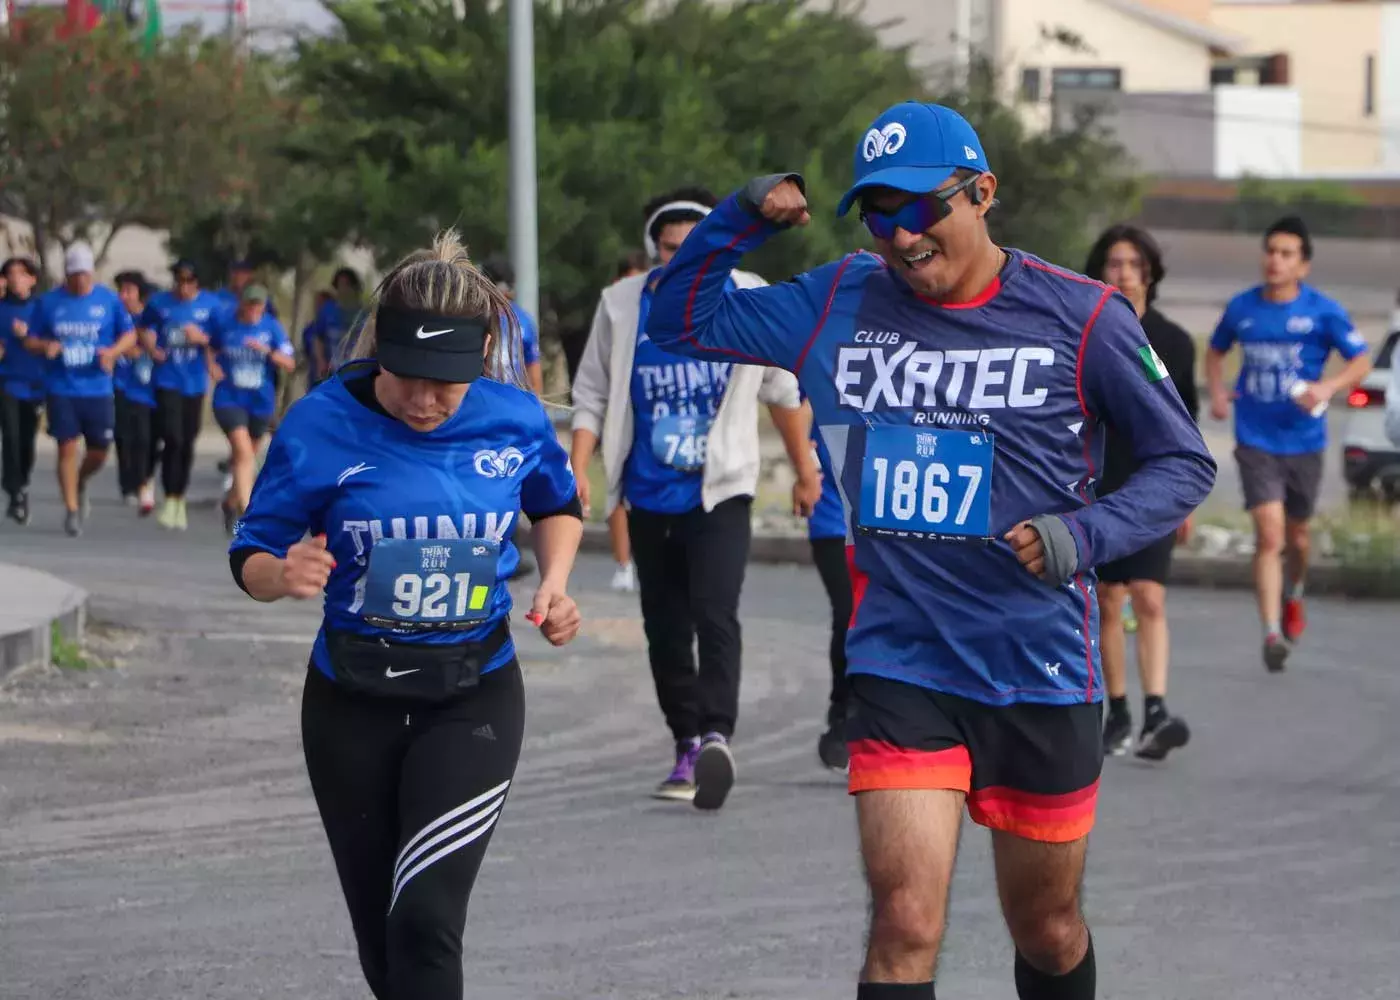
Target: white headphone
(670, 206)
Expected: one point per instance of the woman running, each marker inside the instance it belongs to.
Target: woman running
(409, 470)
(135, 433)
(175, 331)
(1128, 258)
(247, 347)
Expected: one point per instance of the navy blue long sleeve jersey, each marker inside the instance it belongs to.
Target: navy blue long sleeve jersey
(947, 426)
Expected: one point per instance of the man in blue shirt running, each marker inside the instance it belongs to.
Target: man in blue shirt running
(1286, 331)
(82, 328)
(962, 391)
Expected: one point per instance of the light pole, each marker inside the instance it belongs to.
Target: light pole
(524, 222)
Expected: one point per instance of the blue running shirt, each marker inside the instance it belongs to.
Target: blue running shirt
(83, 325)
(371, 484)
(184, 369)
(247, 382)
(22, 372)
(674, 401)
(1282, 343)
(946, 427)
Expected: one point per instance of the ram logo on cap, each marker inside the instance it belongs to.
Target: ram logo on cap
(889, 139)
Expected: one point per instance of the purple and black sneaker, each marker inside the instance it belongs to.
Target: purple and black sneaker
(679, 785)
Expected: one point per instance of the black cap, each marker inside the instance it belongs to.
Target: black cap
(184, 267)
(242, 264)
(415, 344)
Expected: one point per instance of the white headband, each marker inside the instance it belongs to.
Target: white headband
(670, 206)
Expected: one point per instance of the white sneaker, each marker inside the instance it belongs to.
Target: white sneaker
(625, 578)
(166, 517)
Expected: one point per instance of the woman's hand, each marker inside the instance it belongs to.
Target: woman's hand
(556, 614)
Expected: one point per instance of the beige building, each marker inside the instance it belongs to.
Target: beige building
(1343, 59)
(1194, 87)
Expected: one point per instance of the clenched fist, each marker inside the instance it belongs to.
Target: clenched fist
(307, 568)
(786, 205)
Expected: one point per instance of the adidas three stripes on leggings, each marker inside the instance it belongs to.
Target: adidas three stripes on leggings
(409, 797)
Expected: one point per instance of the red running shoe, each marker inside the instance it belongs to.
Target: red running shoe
(1294, 620)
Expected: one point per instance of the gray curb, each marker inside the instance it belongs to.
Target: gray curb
(31, 603)
(1188, 569)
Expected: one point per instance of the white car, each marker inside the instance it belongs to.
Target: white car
(1369, 456)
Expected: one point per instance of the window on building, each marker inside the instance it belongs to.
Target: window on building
(1368, 100)
(1087, 79)
(1221, 75)
(1030, 85)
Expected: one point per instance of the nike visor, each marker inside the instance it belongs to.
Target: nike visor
(414, 344)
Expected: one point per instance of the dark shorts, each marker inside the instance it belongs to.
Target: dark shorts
(1292, 480)
(1030, 770)
(1152, 563)
(92, 418)
(229, 417)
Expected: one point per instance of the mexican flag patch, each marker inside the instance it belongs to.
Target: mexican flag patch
(1151, 364)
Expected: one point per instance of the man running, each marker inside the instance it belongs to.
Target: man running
(680, 447)
(962, 391)
(21, 385)
(1286, 330)
(82, 328)
(826, 533)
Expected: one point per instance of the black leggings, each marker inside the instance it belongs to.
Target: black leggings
(409, 797)
(19, 424)
(135, 437)
(830, 556)
(178, 417)
(690, 571)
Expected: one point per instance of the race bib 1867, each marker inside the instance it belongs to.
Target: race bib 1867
(430, 583)
(918, 483)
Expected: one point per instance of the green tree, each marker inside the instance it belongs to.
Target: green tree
(634, 98)
(97, 134)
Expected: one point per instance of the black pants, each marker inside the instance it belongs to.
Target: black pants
(135, 438)
(830, 556)
(19, 425)
(409, 797)
(690, 570)
(178, 417)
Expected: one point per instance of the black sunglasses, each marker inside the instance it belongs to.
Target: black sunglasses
(917, 216)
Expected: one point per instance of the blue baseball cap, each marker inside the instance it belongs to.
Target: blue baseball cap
(914, 147)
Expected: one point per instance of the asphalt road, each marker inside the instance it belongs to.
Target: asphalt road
(158, 837)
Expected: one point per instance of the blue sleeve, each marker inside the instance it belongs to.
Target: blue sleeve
(550, 485)
(121, 319)
(40, 321)
(1224, 336)
(1343, 335)
(691, 313)
(150, 319)
(280, 341)
(280, 512)
(529, 337)
(1175, 470)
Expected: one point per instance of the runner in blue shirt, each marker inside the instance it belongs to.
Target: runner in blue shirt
(410, 473)
(333, 321)
(499, 270)
(136, 404)
(248, 345)
(82, 328)
(1286, 331)
(21, 385)
(962, 391)
(176, 328)
(826, 534)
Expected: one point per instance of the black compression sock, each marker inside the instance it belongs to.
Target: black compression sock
(1154, 707)
(894, 991)
(1118, 707)
(1078, 983)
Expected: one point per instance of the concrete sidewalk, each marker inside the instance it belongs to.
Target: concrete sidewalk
(31, 603)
